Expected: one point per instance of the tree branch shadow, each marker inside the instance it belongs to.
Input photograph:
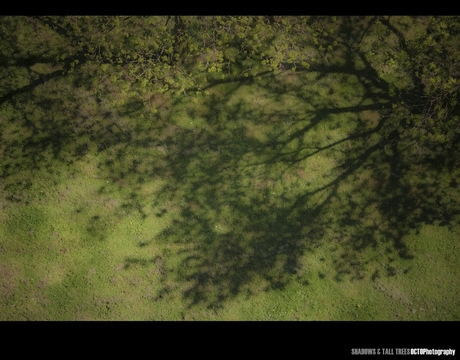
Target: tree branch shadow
(248, 209)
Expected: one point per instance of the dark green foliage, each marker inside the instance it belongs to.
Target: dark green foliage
(415, 59)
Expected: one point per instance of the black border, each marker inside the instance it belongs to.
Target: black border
(229, 8)
(309, 339)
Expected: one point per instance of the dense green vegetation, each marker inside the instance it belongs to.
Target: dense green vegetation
(298, 168)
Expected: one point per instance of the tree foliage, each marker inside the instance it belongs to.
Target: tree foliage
(420, 62)
(416, 58)
(175, 53)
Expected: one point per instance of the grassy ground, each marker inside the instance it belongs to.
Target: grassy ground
(266, 200)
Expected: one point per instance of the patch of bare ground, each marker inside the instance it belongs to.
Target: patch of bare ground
(209, 314)
(82, 316)
(289, 78)
(170, 131)
(195, 207)
(119, 267)
(371, 118)
(301, 174)
(392, 292)
(8, 280)
(43, 283)
(107, 302)
(4, 205)
(39, 298)
(157, 100)
(112, 204)
(89, 277)
(374, 183)
(121, 182)
(159, 265)
(261, 183)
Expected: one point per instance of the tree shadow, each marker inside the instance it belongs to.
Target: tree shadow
(51, 120)
(237, 231)
(247, 194)
(239, 228)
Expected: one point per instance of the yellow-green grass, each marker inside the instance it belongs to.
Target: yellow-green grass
(268, 200)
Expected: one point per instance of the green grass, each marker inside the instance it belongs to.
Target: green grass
(268, 200)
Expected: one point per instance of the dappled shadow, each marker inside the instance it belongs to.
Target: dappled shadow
(246, 216)
(48, 123)
(257, 178)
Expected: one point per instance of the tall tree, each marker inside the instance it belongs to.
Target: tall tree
(417, 58)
